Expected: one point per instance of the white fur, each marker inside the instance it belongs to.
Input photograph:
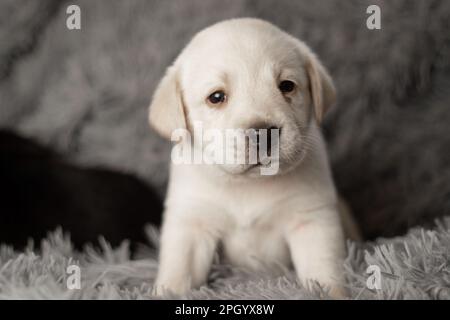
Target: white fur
(290, 218)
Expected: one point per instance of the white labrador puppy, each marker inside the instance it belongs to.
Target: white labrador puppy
(247, 73)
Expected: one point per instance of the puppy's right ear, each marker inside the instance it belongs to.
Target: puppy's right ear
(322, 88)
(166, 111)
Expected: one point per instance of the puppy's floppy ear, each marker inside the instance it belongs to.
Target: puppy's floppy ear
(166, 111)
(323, 92)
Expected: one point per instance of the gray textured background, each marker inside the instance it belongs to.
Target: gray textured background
(86, 92)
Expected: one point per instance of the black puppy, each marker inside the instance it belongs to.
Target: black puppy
(40, 191)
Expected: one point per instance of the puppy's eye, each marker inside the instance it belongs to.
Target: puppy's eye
(217, 97)
(286, 86)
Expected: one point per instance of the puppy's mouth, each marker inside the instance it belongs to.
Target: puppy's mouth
(252, 166)
(262, 165)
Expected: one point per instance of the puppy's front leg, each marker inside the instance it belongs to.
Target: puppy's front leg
(187, 249)
(317, 247)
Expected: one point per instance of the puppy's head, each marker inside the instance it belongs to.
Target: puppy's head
(245, 74)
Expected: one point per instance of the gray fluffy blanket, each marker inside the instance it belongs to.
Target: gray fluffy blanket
(412, 267)
(86, 92)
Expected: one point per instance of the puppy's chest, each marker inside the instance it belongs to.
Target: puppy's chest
(254, 237)
(255, 245)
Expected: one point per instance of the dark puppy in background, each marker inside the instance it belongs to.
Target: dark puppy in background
(40, 191)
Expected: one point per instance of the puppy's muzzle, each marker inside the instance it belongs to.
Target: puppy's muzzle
(264, 138)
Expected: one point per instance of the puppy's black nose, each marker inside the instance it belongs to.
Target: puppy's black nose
(264, 132)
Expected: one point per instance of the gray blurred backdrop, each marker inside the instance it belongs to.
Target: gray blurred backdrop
(86, 93)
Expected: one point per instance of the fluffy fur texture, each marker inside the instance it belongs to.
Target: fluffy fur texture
(86, 93)
(413, 267)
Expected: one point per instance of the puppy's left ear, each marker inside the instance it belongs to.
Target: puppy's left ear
(166, 112)
(322, 89)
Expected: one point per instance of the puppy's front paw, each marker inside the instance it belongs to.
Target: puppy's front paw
(338, 292)
(165, 287)
(335, 290)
